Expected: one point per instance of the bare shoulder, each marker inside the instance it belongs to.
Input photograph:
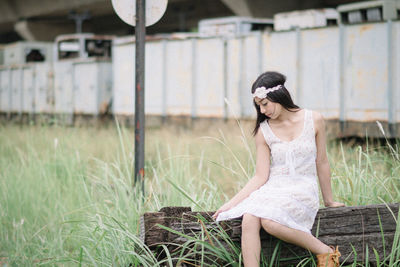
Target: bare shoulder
(319, 121)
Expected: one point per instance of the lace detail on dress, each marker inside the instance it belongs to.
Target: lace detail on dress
(296, 156)
(290, 196)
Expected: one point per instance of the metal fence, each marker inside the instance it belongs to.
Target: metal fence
(349, 73)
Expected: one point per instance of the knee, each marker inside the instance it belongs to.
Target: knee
(250, 223)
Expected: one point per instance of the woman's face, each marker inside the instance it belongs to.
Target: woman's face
(268, 108)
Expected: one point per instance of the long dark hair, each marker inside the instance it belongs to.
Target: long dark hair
(282, 96)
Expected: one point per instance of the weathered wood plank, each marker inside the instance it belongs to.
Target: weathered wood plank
(355, 227)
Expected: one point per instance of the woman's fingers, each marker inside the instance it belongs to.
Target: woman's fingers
(215, 215)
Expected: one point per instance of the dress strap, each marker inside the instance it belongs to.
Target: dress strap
(266, 131)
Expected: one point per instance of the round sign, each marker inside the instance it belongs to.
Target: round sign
(126, 10)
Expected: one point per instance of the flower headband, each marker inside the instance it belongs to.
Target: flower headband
(262, 92)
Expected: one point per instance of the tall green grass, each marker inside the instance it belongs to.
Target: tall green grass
(67, 195)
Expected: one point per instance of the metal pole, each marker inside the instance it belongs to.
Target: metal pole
(140, 34)
(391, 95)
(342, 76)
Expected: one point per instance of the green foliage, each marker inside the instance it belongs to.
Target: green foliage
(67, 195)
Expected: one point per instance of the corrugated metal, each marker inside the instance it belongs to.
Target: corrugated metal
(85, 88)
(251, 60)
(396, 71)
(193, 74)
(1, 55)
(209, 95)
(16, 92)
(233, 78)
(366, 73)
(280, 55)
(82, 86)
(123, 78)
(43, 88)
(5, 90)
(63, 87)
(320, 71)
(154, 81)
(179, 72)
(28, 89)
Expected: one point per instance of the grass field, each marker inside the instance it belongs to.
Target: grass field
(66, 194)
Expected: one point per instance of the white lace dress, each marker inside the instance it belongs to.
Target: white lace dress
(290, 196)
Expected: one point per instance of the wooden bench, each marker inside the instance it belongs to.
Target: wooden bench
(358, 230)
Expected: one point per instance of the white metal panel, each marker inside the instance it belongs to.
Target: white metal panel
(63, 87)
(123, 79)
(281, 56)
(251, 62)
(233, 78)
(27, 88)
(396, 69)
(319, 71)
(366, 72)
(154, 79)
(104, 77)
(179, 73)
(209, 92)
(5, 90)
(44, 87)
(85, 88)
(1, 55)
(16, 90)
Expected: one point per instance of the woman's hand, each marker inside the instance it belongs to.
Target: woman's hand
(334, 204)
(225, 207)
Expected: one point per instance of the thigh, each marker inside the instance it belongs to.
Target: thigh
(250, 222)
(270, 226)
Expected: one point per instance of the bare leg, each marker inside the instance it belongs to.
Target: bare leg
(251, 244)
(295, 236)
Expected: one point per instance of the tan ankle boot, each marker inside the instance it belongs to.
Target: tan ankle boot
(329, 259)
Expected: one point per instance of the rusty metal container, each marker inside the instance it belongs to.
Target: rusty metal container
(303, 19)
(25, 52)
(232, 26)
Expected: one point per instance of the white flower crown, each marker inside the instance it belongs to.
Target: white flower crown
(262, 92)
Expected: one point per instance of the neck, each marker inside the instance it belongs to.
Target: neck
(286, 115)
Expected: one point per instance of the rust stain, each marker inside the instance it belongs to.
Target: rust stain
(104, 107)
(137, 137)
(138, 87)
(141, 172)
(365, 28)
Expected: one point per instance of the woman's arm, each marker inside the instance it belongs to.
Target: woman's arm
(323, 168)
(260, 177)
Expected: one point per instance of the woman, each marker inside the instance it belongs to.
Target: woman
(282, 197)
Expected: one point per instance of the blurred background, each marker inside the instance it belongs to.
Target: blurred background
(43, 20)
(74, 61)
(67, 194)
